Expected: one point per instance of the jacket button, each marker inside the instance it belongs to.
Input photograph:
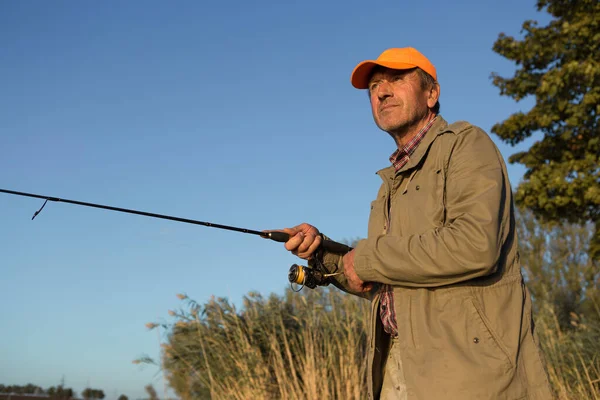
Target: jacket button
(418, 187)
(475, 340)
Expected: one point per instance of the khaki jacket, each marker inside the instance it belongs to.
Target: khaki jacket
(442, 232)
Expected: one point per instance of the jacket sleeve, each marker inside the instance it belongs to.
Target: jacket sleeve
(468, 245)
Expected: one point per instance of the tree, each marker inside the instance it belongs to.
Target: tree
(123, 397)
(90, 393)
(557, 269)
(558, 64)
(60, 392)
(30, 388)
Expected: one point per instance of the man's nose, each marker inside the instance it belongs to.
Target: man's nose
(384, 90)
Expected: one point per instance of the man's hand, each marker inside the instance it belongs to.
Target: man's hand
(304, 240)
(354, 282)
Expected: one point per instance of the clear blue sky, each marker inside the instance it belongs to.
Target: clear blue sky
(234, 112)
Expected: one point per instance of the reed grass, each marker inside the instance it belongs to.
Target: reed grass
(308, 345)
(312, 345)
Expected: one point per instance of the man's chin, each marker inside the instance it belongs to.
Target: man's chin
(395, 130)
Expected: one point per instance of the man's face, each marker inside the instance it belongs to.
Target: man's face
(398, 100)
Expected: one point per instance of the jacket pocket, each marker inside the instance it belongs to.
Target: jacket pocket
(407, 316)
(423, 195)
(486, 329)
(377, 217)
(463, 336)
(457, 350)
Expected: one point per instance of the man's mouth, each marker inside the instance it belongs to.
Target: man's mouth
(387, 107)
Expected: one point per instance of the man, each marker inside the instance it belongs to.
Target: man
(451, 317)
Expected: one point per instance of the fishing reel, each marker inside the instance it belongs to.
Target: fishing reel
(305, 276)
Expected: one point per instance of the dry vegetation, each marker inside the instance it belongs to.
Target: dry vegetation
(312, 345)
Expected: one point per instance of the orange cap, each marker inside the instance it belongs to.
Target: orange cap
(403, 58)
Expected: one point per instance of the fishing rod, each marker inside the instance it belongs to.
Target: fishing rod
(298, 274)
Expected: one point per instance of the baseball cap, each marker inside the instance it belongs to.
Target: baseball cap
(394, 58)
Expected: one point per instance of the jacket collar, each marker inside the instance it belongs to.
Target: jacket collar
(438, 127)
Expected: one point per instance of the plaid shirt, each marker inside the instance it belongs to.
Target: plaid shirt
(386, 306)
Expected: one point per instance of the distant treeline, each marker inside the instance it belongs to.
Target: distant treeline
(54, 392)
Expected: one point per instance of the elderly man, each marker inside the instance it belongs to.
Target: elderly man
(451, 316)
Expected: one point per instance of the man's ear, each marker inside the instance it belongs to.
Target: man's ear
(434, 95)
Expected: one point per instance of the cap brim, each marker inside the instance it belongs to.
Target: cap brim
(362, 72)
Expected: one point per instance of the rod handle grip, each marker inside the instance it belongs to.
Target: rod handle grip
(328, 245)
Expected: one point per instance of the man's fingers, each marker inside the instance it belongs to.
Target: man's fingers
(306, 229)
(304, 240)
(294, 242)
(308, 246)
(309, 239)
(314, 246)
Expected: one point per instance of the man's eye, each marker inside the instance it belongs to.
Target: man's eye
(373, 86)
(397, 78)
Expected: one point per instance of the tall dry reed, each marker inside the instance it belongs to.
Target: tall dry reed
(572, 355)
(312, 345)
(308, 345)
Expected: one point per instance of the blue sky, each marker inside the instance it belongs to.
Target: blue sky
(232, 112)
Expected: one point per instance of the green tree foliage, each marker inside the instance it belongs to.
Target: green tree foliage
(60, 393)
(30, 388)
(123, 397)
(92, 394)
(559, 65)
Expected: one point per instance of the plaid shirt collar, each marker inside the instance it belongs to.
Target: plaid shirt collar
(401, 156)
